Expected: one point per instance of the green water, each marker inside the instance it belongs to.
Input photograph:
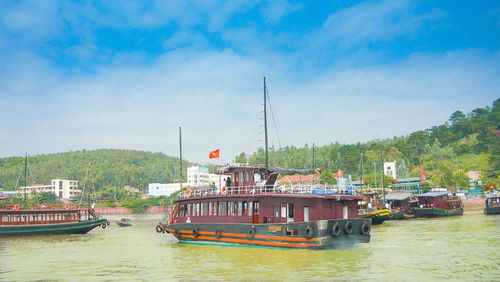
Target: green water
(456, 248)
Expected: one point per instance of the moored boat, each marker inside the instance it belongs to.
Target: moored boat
(45, 221)
(372, 208)
(401, 204)
(492, 205)
(266, 214)
(124, 222)
(437, 204)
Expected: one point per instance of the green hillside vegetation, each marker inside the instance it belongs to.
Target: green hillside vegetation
(109, 168)
(468, 142)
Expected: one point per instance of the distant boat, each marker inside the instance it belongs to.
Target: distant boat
(492, 205)
(402, 205)
(125, 222)
(437, 204)
(46, 219)
(372, 208)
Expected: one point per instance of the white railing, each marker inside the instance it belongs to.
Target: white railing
(268, 190)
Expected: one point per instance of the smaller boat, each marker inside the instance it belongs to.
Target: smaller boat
(401, 204)
(372, 208)
(492, 205)
(125, 222)
(437, 204)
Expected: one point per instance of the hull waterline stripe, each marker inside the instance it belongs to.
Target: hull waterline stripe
(245, 236)
(279, 244)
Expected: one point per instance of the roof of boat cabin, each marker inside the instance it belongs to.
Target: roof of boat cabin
(337, 197)
(433, 194)
(41, 211)
(398, 195)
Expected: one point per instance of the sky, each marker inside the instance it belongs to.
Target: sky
(127, 74)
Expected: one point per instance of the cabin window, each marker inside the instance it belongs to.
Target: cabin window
(230, 208)
(33, 217)
(195, 209)
(181, 211)
(220, 208)
(50, 217)
(66, 216)
(240, 208)
(6, 218)
(290, 210)
(41, 217)
(246, 176)
(306, 214)
(189, 206)
(250, 209)
(205, 209)
(24, 217)
(210, 208)
(283, 211)
(216, 204)
(276, 211)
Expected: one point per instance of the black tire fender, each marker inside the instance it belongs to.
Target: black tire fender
(103, 226)
(218, 233)
(159, 229)
(309, 231)
(196, 232)
(348, 227)
(364, 229)
(335, 232)
(251, 232)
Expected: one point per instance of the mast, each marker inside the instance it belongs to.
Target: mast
(361, 176)
(382, 162)
(25, 182)
(180, 154)
(265, 128)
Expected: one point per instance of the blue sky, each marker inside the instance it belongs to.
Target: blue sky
(127, 74)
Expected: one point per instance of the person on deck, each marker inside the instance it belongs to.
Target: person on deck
(228, 184)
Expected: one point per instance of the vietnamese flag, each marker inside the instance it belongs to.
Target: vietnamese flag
(389, 152)
(214, 154)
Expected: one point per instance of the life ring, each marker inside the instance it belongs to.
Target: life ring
(224, 190)
(188, 194)
(218, 233)
(335, 230)
(196, 232)
(66, 206)
(251, 232)
(17, 207)
(309, 231)
(348, 227)
(364, 229)
(158, 228)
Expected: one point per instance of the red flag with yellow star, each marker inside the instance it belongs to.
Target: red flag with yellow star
(214, 154)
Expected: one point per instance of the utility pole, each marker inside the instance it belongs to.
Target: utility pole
(382, 161)
(180, 155)
(265, 127)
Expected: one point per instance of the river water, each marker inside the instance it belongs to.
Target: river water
(456, 248)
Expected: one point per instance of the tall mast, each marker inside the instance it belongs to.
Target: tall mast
(25, 182)
(180, 154)
(361, 177)
(265, 126)
(382, 162)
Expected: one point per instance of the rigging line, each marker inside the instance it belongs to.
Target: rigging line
(274, 119)
(18, 177)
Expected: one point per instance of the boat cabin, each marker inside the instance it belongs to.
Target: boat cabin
(29, 217)
(442, 200)
(399, 199)
(253, 199)
(493, 201)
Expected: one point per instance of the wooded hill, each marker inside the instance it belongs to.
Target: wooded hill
(109, 168)
(468, 142)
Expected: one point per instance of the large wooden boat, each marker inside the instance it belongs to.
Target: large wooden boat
(20, 222)
(437, 204)
(492, 205)
(266, 214)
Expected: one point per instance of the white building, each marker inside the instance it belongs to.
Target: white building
(162, 189)
(199, 176)
(390, 169)
(62, 188)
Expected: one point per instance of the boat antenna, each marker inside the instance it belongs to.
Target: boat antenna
(382, 162)
(180, 154)
(361, 174)
(25, 182)
(265, 127)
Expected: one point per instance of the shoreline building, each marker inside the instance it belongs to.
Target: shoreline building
(62, 188)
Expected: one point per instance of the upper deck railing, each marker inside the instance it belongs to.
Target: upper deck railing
(267, 190)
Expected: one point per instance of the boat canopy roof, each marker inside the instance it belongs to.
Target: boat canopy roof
(398, 195)
(434, 194)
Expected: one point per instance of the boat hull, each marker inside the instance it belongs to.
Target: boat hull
(400, 215)
(492, 210)
(82, 227)
(377, 217)
(437, 212)
(322, 234)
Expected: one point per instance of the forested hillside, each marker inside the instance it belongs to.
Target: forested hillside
(109, 167)
(467, 142)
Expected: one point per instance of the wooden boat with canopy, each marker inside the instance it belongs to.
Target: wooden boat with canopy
(492, 205)
(437, 204)
(259, 213)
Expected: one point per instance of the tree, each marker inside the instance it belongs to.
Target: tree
(457, 116)
(47, 197)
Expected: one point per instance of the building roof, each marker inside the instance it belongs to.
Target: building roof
(434, 194)
(398, 195)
